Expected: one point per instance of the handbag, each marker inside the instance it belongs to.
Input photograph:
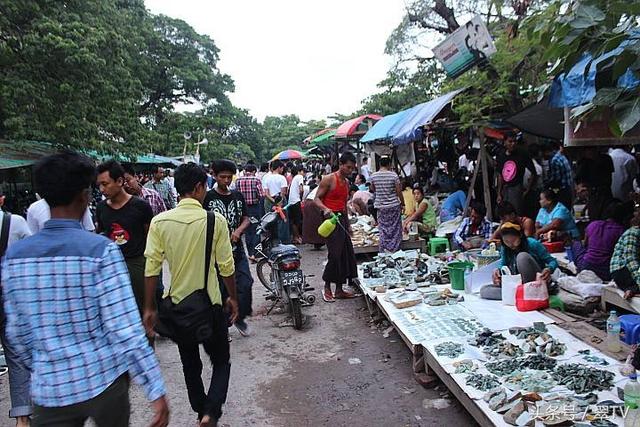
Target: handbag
(510, 283)
(192, 319)
(532, 296)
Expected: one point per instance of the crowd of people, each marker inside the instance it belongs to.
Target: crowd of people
(88, 282)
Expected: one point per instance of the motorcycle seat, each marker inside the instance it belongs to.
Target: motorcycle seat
(280, 250)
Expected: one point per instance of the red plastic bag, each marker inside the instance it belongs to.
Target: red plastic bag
(532, 296)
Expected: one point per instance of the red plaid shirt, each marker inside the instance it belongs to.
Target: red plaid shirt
(251, 189)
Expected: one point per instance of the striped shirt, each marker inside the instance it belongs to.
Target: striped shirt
(72, 317)
(384, 183)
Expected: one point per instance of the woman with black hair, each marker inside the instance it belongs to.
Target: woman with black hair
(389, 203)
(522, 255)
(554, 219)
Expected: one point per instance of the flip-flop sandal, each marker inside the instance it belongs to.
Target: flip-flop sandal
(3, 370)
(328, 297)
(345, 295)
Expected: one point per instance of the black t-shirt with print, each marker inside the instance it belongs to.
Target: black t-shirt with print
(512, 167)
(126, 226)
(231, 206)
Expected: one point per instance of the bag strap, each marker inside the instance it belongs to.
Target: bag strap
(4, 233)
(211, 226)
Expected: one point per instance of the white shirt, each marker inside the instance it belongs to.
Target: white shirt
(18, 228)
(365, 170)
(312, 194)
(625, 169)
(39, 213)
(274, 183)
(294, 191)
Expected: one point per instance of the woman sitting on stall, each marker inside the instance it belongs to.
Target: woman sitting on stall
(523, 255)
(425, 214)
(625, 262)
(600, 240)
(473, 230)
(554, 221)
(507, 213)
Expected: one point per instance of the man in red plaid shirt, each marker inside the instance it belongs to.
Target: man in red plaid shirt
(251, 188)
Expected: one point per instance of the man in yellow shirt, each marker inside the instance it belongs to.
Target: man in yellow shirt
(179, 236)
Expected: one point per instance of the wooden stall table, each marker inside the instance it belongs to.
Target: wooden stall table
(420, 244)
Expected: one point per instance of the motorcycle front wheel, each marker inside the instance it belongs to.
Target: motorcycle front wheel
(264, 273)
(296, 312)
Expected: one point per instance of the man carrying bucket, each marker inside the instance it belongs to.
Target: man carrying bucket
(331, 199)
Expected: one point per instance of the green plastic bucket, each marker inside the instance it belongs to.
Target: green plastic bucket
(456, 273)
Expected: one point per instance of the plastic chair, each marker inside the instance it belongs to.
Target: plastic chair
(630, 326)
(438, 245)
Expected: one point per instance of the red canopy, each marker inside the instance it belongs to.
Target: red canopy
(358, 126)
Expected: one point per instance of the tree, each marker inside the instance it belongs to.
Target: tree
(568, 30)
(497, 88)
(284, 132)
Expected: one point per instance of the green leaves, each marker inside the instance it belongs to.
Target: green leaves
(587, 16)
(628, 114)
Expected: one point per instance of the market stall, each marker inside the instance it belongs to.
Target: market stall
(507, 367)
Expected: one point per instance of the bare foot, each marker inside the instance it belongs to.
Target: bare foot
(628, 295)
(22, 422)
(207, 422)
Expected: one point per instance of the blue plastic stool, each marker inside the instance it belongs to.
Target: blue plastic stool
(630, 327)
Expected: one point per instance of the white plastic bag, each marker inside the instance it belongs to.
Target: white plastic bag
(510, 284)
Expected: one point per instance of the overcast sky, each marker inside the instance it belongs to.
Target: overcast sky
(310, 58)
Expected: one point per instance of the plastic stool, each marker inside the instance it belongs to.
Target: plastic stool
(630, 326)
(438, 245)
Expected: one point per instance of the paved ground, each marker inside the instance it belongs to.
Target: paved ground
(282, 377)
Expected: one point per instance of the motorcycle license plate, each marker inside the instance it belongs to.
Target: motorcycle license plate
(292, 278)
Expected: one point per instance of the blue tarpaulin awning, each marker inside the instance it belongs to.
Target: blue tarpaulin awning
(383, 129)
(406, 126)
(578, 86)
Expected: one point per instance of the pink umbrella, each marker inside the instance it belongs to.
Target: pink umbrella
(357, 126)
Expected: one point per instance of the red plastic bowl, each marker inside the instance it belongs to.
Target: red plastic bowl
(554, 247)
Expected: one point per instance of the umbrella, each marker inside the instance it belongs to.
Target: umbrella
(357, 126)
(288, 155)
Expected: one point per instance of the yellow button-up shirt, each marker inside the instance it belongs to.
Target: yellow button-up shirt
(179, 236)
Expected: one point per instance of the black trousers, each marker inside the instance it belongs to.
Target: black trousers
(108, 409)
(217, 347)
(624, 280)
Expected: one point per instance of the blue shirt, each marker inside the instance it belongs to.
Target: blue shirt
(562, 213)
(535, 249)
(453, 205)
(72, 317)
(559, 172)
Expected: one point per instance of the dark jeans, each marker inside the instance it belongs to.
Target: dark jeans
(108, 409)
(624, 280)
(217, 347)
(250, 236)
(19, 375)
(244, 282)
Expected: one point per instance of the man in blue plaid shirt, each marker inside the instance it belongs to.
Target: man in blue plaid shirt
(474, 229)
(560, 175)
(70, 311)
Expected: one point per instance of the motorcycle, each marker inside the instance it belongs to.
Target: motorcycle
(279, 268)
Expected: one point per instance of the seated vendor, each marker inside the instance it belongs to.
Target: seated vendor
(357, 203)
(600, 239)
(523, 255)
(361, 182)
(425, 214)
(453, 205)
(507, 213)
(554, 221)
(474, 230)
(625, 262)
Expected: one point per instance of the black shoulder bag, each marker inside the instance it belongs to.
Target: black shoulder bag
(192, 318)
(4, 242)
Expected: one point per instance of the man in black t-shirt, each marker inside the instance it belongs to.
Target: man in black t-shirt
(511, 169)
(595, 172)
(124, 219)
(231, 204)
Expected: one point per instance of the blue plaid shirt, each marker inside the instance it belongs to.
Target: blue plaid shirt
(464, 231)
(72, 317)
(559, 172)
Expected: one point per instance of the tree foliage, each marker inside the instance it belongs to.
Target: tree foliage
(567, 30)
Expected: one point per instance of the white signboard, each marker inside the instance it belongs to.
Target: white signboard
(465, 47)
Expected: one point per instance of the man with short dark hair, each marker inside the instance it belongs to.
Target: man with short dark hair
(179, 236)
(124, 219)
(560, 174)
(162, 186)
(331, 199)
(251, 188)
(133, 187)
(231, 205)
(71, 315)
